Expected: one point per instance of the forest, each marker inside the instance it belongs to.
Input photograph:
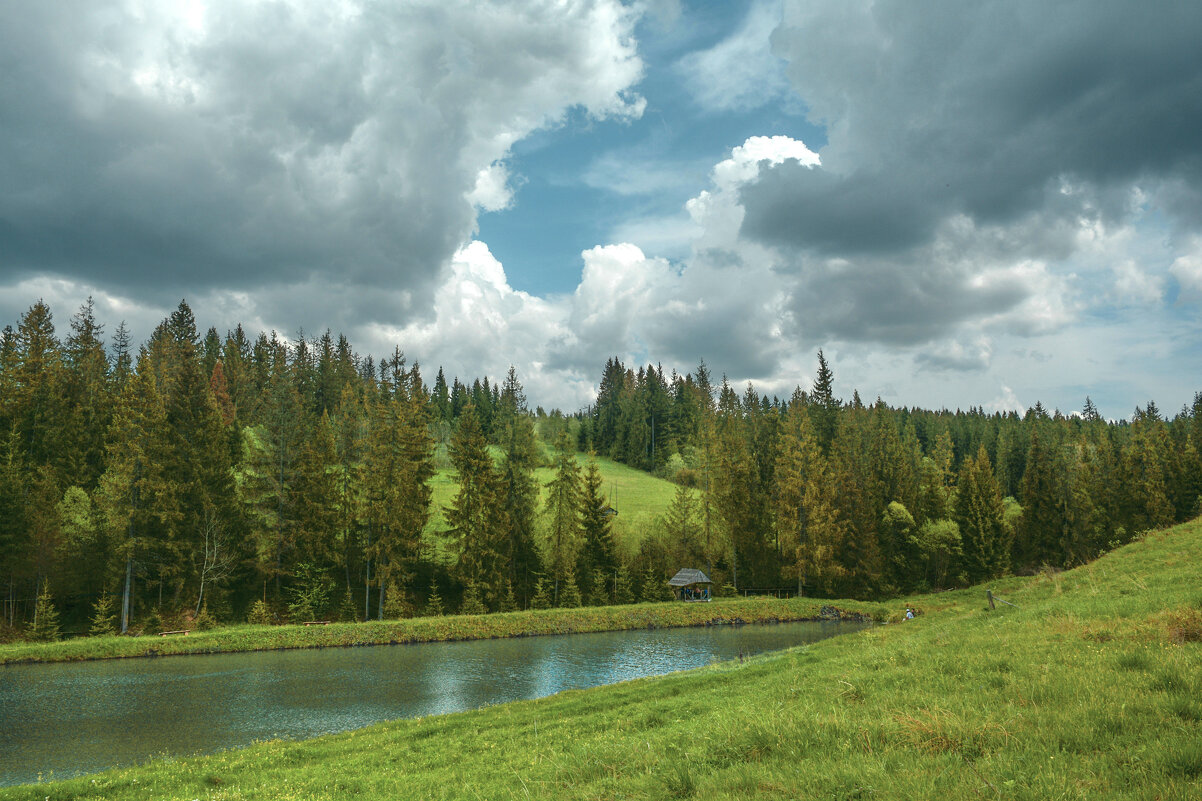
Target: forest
(200, 479)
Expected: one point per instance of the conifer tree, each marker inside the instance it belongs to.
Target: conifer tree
(1037, 533)
(472, 605)
(519, 495)
(569, 590)
(542, 595)
(434, 604)
(137, 500)
(44, 627)
(824, 406)
(35, 406)
(104, 617)
(596, 537)
(986, 549)
(400, 464)
(86, 400)
(654, 586)
(476, 518)
(623, 591)
(563, 509)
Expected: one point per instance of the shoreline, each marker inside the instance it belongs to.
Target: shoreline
(452, 628)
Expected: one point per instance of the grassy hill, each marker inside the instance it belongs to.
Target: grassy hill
(639, 498)
(1088, 688)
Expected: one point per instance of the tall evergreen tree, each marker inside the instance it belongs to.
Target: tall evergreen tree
(563, 511)
(519, 499)
(476, 517)
(596, 557)
(986, 547)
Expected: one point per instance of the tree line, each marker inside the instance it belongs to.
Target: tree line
(221, 478)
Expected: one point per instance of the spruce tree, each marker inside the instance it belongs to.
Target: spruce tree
(44, 626)
(596, 535)
(986, 548)
(434, 604)
(476, 517)
(542, 595)
(623, 592)
(563, 509)
(514, 432)
(471, 604)
(104, 617)
(569, 590)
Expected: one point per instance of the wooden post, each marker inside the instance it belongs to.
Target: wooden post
(989, 597)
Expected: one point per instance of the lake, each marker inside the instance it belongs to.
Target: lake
(60, 720)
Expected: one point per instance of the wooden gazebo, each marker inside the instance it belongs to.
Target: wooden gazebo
(690, 584)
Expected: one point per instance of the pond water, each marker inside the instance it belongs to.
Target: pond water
(60, 720)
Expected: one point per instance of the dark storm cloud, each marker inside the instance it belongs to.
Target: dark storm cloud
(176, 149)
(990, 110)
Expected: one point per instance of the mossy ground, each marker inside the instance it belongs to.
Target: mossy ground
(1088, 689)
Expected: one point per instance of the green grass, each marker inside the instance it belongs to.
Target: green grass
(1089, 689)
(231, 639)
(639, 498)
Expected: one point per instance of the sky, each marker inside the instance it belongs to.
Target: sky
(963, 204)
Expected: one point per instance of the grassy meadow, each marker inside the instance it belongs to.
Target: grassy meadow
(1090, 687)
(638, 496)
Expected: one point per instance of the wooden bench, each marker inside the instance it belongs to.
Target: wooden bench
(181, 631)
(317, 623)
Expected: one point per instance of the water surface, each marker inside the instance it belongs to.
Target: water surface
(59, 720)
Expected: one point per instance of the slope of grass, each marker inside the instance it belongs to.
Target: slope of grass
(639, 498)
(1089, 689)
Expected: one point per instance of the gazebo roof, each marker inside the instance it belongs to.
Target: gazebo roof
(688, 576)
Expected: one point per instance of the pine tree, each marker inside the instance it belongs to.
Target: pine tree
(400, 463)
(563, 508)
(434, 604)
(475, 518)
(104, 617)
(542, 596)
(509, 603)
(44, 627)
(623, 592)
(137, 500)
(986, 549)
(472, 605)
(1039, 527)
(596, 537)
(824, 406)
(86, 400)
(519, 497)
(654, 586)
(569, 590)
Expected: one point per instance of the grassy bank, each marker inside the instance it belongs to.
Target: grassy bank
(432, 629)
(1088, 689)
